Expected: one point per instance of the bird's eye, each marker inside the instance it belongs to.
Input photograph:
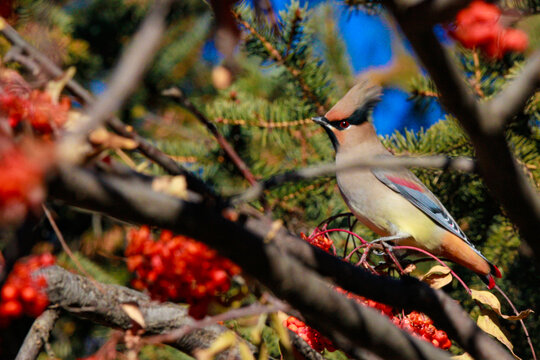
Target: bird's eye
(344, 124)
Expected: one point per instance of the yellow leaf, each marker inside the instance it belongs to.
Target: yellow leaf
(134, 313)
(437, 277)
(172, 185)
(489, 325)
(487, 298)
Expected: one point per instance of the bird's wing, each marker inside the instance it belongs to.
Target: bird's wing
(411, 188)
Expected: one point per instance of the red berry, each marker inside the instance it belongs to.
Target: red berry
(9, 292)
(28, 294)
(11, 308)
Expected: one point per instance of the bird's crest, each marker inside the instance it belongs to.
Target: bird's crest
(364, 94)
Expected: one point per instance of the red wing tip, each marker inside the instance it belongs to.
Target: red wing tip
(491, 284)
(497, 271)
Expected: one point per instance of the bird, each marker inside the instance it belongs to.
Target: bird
(395, 204)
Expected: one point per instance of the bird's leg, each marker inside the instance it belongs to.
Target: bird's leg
(384, 240)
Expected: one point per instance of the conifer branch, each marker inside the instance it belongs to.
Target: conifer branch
(274, 53)
(265, 124)
(287, 265)
(437, 161)
(177, 95)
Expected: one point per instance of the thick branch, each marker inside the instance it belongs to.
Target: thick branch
(500, 171)
(344, 321)
(38, 335)
(389, 162)
(80, 297)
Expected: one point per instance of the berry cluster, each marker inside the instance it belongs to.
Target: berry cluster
(37, 108)
(22, 293)
(21, 188)
(420, 325)
(416, 323)
(479, 26)
(311, 336)
(178, 268)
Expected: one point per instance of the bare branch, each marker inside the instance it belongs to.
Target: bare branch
(437, 161)
(80, 297)
(176, 94)
(348, 324)
(512, 99)
(38, 335)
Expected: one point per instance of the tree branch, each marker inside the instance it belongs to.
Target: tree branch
(391, 162)
(38, 335)
(80, 297)
(268, 260)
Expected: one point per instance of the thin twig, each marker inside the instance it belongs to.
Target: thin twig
(176, 94)
(437, 161)
(516, 312)
(66, 248)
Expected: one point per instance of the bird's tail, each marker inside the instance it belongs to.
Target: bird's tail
(488, 278)
(463, 253)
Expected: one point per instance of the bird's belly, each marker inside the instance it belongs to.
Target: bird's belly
(386, 212)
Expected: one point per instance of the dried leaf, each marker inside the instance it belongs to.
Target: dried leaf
(487, 298)
(134, 313)
(172, 185)
(107, 139)
(437, 277)
(489, 325)
(55, 87)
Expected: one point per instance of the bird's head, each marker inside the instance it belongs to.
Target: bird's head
(347, 121)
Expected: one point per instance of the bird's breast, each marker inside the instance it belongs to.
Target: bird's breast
(385, 211)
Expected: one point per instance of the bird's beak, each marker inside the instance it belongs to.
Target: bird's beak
(321, 120)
